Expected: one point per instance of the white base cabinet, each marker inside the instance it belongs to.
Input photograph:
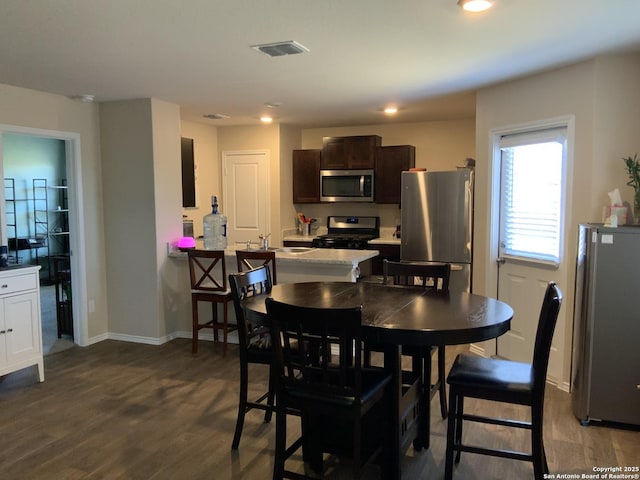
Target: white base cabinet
(20, 321)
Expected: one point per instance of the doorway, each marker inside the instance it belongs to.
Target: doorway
(245, 183)
(529, 214)
(40, 223)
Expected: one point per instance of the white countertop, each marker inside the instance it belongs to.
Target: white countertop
(330, 256)
(382, 240)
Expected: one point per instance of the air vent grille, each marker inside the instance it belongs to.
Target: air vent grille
(280, 49)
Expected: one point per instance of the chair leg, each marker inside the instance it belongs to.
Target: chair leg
(281, 439)
(422, 368)
(242, 405)
(194, 320)
(272, 393)
(225, 328)
(459, 412)
(357, 448)
(540, 466)
(442, 381)
(214, 321)
(451, 428)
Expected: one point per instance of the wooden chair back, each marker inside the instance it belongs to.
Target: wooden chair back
(208, 271)
(250, 259)
(245, 284)
(429, 274)
(317, 351)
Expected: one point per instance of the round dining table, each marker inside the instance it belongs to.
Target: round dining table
(393, 316)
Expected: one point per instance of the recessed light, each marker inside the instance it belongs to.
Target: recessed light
(475, 5)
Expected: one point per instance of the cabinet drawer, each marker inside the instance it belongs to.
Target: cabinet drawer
(18, 283)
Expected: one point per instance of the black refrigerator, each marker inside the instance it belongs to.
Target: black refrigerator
(606, 327)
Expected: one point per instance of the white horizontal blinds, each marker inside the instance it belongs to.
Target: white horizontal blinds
(532, 195)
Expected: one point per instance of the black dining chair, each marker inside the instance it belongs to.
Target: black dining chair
(254, 344)
(208, 276)
(504, 381)
(249, 259)
(435, 276)
(343, 405)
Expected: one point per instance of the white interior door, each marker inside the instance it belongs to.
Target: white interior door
(532, 193)
(245, 180)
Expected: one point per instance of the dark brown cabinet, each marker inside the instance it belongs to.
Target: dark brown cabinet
(306, 176)
(358, 152)
(390, 163)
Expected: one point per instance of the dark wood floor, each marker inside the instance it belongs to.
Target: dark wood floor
(118, 410)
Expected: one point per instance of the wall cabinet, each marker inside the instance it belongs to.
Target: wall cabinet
(339, 153)
(306, 176)
(20, 322)
(390, 163)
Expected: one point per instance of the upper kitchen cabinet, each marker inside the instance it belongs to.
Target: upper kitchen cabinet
(306, 176)
(357, 152)
(389, 165)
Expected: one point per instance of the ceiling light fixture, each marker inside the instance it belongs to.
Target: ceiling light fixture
(475, 5)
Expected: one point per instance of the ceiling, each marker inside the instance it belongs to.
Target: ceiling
(427, 57)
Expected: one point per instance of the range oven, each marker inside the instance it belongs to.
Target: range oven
(348, 232)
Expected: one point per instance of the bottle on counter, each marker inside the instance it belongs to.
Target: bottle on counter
(214, 228)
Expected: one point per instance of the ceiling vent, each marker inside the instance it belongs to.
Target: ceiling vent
(216, 116)
(279, 49)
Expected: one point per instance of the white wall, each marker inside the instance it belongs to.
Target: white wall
(143, 209)
(207, 169)
(602, 94)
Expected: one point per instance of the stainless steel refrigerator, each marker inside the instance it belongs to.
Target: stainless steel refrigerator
(437, 221)
(606, 327)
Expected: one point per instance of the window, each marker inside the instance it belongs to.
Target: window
(532, 195)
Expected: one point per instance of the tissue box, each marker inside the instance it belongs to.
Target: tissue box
(619, 212)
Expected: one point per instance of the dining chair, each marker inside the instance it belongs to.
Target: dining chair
(62, 280)
(504, 381)
(435, 276)
(343, 405)
(208, 276)
(246, 259)
(254, 343)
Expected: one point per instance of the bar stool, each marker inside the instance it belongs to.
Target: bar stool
(208, 274)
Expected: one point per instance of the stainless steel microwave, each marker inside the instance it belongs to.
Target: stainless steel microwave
(346, 185)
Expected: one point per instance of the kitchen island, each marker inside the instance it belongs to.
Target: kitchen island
(308, 264)
(294, 265)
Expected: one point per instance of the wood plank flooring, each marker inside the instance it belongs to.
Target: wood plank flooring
(118, 410)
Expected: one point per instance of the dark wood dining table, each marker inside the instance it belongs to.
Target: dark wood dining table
(393, 316)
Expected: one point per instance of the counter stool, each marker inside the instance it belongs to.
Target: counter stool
(208, 274)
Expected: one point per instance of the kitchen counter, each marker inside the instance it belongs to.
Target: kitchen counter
(308, 264)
